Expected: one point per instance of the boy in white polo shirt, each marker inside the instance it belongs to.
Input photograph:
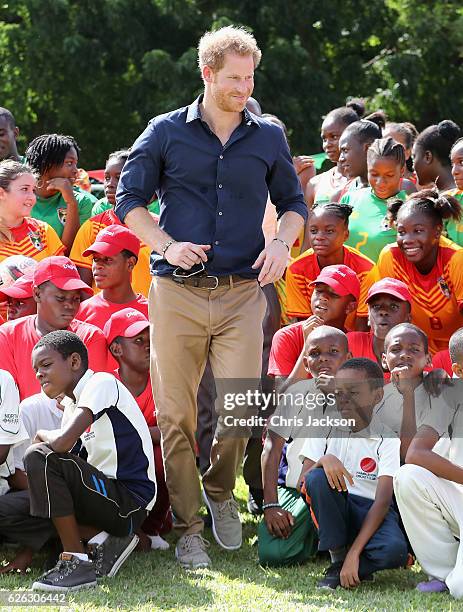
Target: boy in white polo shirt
(102, 495)
(348, 483)
(286, 534)
(429, 489)
(12, 430)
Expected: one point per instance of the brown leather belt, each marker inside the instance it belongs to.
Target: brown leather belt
(208, 281)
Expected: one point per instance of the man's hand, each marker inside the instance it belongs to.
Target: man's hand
(335, 472)
(309, 324)
(186, 254)
(350, 571)
(279, 522)
(272, 261)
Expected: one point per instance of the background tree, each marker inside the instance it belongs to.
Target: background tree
(101, 70)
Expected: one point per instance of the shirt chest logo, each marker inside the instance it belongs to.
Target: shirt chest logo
(62, 212)
(367, 471)
(36, 240)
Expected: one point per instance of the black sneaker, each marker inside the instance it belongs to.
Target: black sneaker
(255, 501)
(69, 574)
(109, 556)
(332, 577)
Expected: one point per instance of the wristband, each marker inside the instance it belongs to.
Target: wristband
(283, 242)
(166, 246)
(271, 505)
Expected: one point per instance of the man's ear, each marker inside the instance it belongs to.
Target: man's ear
(351, 306)
(457, 369)
(428, 359)
(208, 74)
(428, 157)
(115, 348)
(16, 132)
(76, 361)
(306, 365)
(384, 362)
(379, 394)
(36, 294)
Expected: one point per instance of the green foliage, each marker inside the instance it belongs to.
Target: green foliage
(101, 70)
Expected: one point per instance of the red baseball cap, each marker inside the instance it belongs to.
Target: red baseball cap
(127, 323)
(61, 272)
(341, 279)
(112, 240)
(21, 289)
(390, 286)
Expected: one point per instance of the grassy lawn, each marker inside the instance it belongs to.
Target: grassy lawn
(154, 581)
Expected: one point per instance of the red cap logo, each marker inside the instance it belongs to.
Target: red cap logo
(368, 465)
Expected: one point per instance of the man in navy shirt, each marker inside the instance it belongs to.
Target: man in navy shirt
(213, 165)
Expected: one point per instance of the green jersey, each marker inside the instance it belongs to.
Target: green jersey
(103, 205)
(453, 228)
(53, 209)
(369, 230)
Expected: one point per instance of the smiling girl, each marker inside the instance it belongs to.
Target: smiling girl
(369, 229)
(19, 234)
(430, 265)
(328, 230)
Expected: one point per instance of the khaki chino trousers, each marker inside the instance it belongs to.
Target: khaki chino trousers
(188, 326)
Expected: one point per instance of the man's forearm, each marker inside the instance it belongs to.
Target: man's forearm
(270, 461)
(140, 221)
(290, 227)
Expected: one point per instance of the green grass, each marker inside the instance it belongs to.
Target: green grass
(154, 581)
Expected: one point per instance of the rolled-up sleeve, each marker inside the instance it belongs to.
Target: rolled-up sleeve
(284, 186)
(140, 177)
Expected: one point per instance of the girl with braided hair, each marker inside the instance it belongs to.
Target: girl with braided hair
(369, 229)
(428, 263)
(54, 157)
(328, 231)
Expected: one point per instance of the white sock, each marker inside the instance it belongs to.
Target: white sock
(158, 543)
(81, 556)
(99, 538)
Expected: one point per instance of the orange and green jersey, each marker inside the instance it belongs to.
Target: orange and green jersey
(53, 210)
(454, 229)
(33, 238)
(437, 296)
(369, 230)
(85, 237)
(305, 269)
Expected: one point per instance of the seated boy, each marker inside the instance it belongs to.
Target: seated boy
(336, 294)
(410, 395)
(347, 478)
(16, 525)
(127, 334)
(429, 489)
(104, 498)
(12, 431)
(286, 535)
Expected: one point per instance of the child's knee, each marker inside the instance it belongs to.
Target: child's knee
(35, 456)
(315, 479)
(395, 552)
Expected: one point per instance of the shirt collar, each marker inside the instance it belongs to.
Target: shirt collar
(68, 401)
(194, 112)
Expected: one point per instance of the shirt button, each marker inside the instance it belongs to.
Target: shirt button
(220, 186)
(216, 242)
(220, 213)
(220, 156)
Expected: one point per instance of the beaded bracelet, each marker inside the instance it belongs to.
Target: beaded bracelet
(271, 505)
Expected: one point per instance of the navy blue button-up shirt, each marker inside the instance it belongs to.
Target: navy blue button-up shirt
(210, 193)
